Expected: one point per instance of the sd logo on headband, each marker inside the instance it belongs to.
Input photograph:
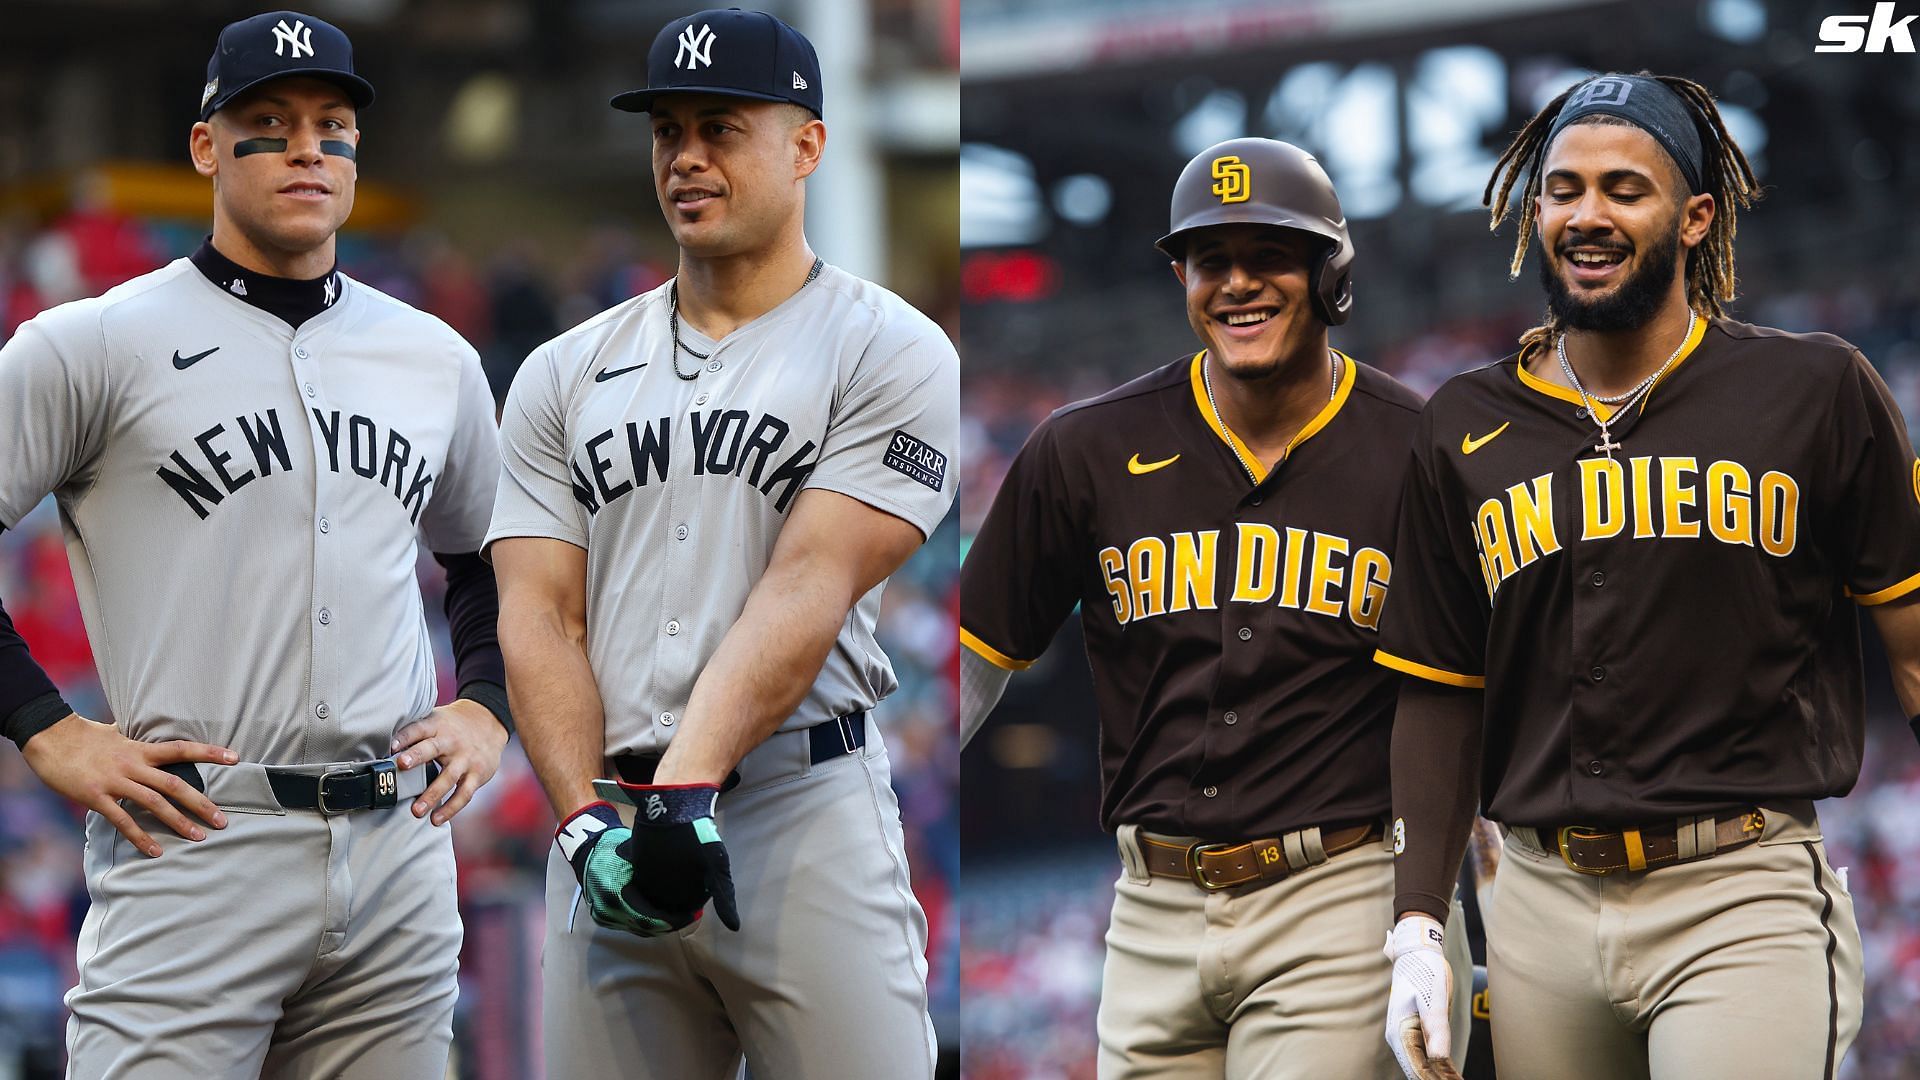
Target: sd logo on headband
(1600, 92)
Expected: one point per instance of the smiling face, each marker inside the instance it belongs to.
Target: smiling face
(285, 202)
(1615, 222)
(728, 171)
(1248, 295)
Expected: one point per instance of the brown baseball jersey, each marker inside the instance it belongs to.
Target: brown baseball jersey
(1229, 610)
(1670, 630)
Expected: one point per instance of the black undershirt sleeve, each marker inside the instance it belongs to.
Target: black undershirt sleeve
(1436, 789)
(473, 620)
(29, 702)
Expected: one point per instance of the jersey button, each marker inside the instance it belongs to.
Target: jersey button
(1231, 717)
(300, 354)
(701, 400)
(714, 366)
(1246, 634)
(1209, 791)
(1596, 768)
(1257, 500)
(666, 719)
(310, 390)
(1599, 579)
(679, 532)
(325, 525)
(673, 627)
(322, 710)
(325, 616)
(1599, 673)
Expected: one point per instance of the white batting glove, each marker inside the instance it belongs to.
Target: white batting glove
(1417, 1026)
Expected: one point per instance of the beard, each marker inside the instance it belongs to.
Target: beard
(1631, 304)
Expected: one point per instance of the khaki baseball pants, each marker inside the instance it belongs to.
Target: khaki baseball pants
(1280, 982)
(1742, 966)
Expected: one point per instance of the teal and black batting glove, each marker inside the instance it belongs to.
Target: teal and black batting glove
(591, 839)
(678, 859)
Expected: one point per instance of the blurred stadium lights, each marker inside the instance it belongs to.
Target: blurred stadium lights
(1017, 38)
(1000, 202)
(1083, 199)
(1015, 277)
(1024, 746)
(1740, 21)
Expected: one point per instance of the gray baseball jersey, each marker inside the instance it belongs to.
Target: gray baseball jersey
(677, 487)
(243, 501)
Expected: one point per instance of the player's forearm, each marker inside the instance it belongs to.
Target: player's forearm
(556, 705)
(1899, 625)
(759, 674)
(1436, 788)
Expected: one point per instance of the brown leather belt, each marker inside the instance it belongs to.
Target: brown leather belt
(1215, 866)
(1601, 851)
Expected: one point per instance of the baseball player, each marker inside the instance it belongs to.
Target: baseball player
(1226, 524)
(705, 488)
(1629, 561)
(248, 448)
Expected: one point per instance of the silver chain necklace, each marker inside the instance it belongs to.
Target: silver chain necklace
(1625, 401)
(1206, 380)
(673, 322)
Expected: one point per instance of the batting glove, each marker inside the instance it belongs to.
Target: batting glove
(592, 840)
(1417, 1024)
(678, 859)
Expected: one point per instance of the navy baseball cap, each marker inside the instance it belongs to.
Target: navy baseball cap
(732, 53)
(278, 44)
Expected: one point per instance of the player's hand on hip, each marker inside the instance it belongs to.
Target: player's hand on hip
(96, 766)
(466, 740)
(679, 861)
(1417, 1004)
(593, 841)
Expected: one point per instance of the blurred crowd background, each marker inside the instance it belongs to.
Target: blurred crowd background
(1078, 116)
(499, 192)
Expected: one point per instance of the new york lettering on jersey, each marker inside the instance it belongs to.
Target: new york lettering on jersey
(1256, 592)
(1737, 493)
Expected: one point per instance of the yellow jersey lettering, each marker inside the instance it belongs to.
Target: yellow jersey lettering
(1642, 497)
(1677, 495)
(1491, 525)
(1325, 575)
(1193, 564)
(1730, 503)
(1369, 573)
(1147, 563)
(1291, 571)
(1255, 564)
(1603, 495)
(1113, 573)
(1533, 519)
(1779, 513)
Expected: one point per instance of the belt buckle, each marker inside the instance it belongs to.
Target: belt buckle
(1194, 854)
(845, 726)
(386, 784)
(320, 789)
(1561, 843)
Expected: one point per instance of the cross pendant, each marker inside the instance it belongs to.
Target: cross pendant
(1606, 444)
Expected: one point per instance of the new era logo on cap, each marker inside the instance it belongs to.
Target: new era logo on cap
(763, 59)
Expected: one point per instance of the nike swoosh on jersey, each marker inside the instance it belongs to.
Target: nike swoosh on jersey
(1135, 466)
(614, 373)
(182, 363)
(1468, 444)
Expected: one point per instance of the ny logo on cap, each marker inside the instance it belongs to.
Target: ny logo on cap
(1234, 179)
(695, 48)
(298, 37)
(1601, 92)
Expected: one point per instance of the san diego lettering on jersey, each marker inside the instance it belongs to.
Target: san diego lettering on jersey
(354, 444)
(1720, 500)
(724, 442)
(1291, 567)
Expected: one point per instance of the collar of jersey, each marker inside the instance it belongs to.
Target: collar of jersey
(1564, 393)
(1349, 374)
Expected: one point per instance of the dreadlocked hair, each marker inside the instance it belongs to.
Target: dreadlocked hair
(1726, 175)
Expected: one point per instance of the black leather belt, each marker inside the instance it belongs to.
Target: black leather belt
(372, 786)
(836, 738)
